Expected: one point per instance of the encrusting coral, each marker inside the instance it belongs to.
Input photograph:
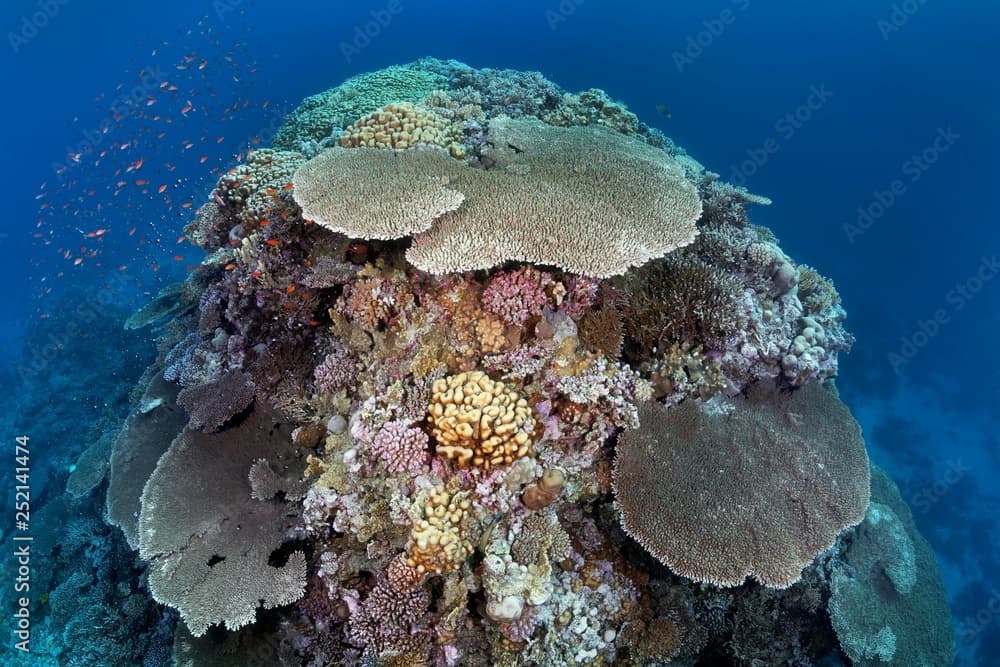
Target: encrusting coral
(411, 423)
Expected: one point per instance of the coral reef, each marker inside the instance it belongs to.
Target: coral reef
(461, 340)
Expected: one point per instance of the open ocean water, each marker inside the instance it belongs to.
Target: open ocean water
(870, 125)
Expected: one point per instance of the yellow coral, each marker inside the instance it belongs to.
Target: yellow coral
(478, 421)
(489, 330)
(437, 540)
(401, 126)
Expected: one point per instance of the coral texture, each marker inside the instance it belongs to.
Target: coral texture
(589, 201)
(758, 491)
(887, 602)
(207, 540)
(479, 422)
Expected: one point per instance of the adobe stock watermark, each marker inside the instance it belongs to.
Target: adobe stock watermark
(899, 16)
(224, 7)
(34, 23)
(785, 127)
(149, 81)
(561, 13)
(969, 628)
(956, 299)
(712, 29)
(912, 170)
(370, 30)
(928, 497)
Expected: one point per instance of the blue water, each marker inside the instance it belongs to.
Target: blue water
(872, 125)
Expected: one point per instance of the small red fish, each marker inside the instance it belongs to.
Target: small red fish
(178, 258)
(273, 242)
(288, 186)
(229, 267)
(161, 189)
(289, 289)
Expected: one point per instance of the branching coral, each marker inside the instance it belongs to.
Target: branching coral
(338, 370)
(400, 447)
(517, 295)
(683, 300)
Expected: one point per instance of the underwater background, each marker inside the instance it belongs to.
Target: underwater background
(871, 126)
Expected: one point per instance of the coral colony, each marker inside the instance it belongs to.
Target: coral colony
(480, 372)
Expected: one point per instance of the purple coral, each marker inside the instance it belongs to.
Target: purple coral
(211, 405)
(337, 371)
(400, 447)
(516, 296)
(390, 620)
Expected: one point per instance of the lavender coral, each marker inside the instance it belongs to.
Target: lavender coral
(400, 447)
(516, 296)
(337, 371)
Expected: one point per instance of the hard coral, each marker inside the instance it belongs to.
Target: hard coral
(887, 602)
(400, 448)
(207, 540)
(587, 200)
(516, 295)
(479, 422)
(402, 126)
(438, 542)
(212, 404)
(758, 492)
(338, 370)
(679, 300)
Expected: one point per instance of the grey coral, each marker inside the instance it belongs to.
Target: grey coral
(212, 404)
(757, 490)
(585, 199)
(208, 541)
(146, 435)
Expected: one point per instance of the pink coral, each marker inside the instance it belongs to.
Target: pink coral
(516, 296)
(581, 294)
(400, 447)
(337, 371)
(390, 621)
